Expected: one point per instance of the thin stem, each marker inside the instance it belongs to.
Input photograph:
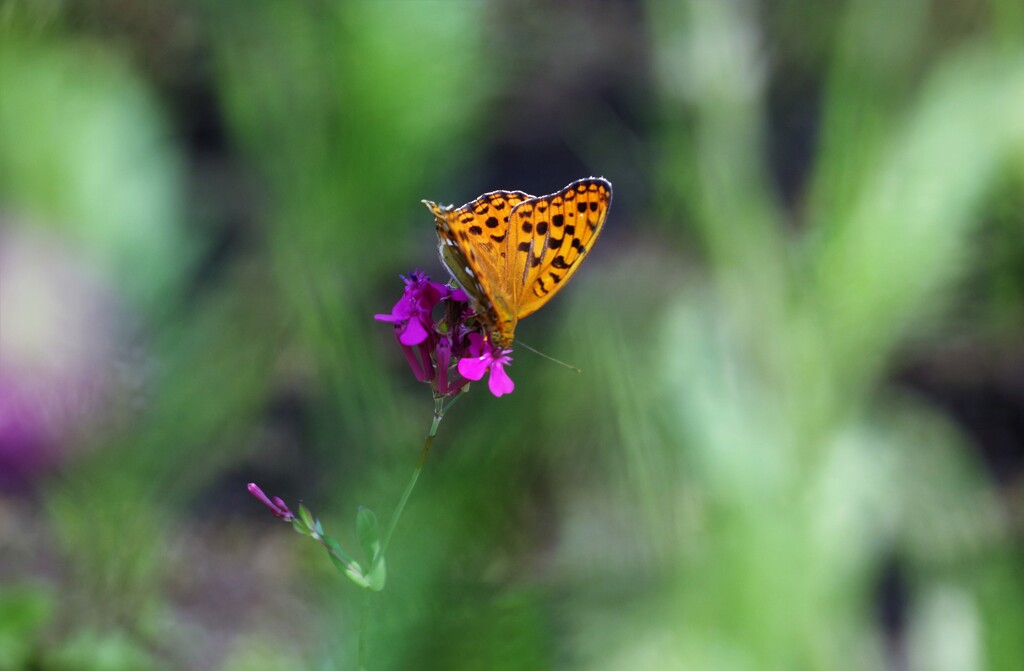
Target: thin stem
(446, 408)
(364, 625)
(439, 410)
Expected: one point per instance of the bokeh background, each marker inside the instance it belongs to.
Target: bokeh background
(798, 438)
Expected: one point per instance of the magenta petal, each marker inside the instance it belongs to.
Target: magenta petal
(476, 345)
(413, 334)
(473, 368)
(443, 353)
(500, 383)
(384, 318)
(404, 308)
(276, 505)
(255, 490)
(433, 293)
(428, 364)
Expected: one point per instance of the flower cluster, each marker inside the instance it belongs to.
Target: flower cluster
(451, 351)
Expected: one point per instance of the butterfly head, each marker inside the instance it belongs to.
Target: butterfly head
(440, 212)
(456, 253)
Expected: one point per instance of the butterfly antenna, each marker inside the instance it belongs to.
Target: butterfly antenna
(549, 358)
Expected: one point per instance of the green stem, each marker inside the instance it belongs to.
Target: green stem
(439, 410)
(364, 625)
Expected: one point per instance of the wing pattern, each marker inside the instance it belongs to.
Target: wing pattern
(550, 236)
(512, 252)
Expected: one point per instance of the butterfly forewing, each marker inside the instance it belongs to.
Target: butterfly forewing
(472, 242)
(550, 237)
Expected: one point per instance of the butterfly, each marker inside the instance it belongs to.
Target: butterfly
(512, 252)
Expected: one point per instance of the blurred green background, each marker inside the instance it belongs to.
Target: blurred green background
(797, 441)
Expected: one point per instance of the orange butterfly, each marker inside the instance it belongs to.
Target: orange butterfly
(511, 252)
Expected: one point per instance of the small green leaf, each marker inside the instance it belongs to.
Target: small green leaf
(307, 517)
(333, 547)
(377, 576)
(369, 533)
(369, 538)
(353, 571)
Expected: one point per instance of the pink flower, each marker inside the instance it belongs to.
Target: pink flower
(412, 313)
(441, 352)
(483, 357)
(445, 385)
(276, 505)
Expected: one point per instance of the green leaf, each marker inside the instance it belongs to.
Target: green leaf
(378, 575)
(347, 565)
(369, 533)
(369, 538)
(307, 517)
(353, 571)
(333, 547)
